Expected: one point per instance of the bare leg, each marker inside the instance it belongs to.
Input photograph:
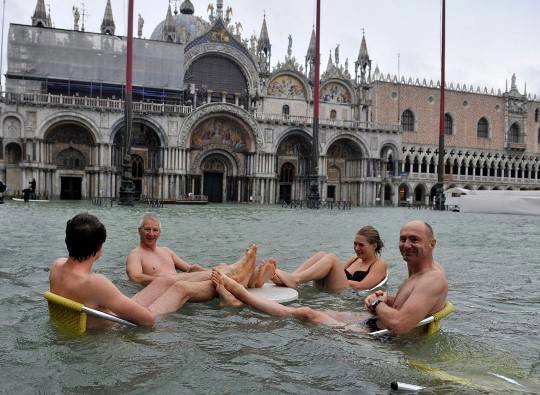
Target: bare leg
(271, 307)
(181, 292)
(154, 290)
(225, 297)
(327, 269)
(311, 261)
(265, 273)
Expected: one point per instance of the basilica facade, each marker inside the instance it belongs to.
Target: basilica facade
(213, 117)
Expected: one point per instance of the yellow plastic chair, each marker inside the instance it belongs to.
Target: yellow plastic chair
(433, 322)
(71, 316)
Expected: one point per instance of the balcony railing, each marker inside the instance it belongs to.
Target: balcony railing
(336, 123)
(92, 103)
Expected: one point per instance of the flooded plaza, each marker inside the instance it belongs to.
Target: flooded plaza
(491, 261)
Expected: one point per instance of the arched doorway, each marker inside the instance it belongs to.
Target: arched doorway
(286, 178)
(219, 181)
(404, 194)
(388, 195)
(294, 154)
(344, 169)
(213, 169)
(71, 161)
(71, 148)
(145, 155)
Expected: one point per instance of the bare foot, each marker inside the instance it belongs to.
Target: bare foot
(254, 275)
(265, 273)
(229, 284)
(276, 280)
(226, 299)
(243, 270)
(286, 279)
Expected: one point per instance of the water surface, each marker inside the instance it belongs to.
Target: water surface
(491, 260)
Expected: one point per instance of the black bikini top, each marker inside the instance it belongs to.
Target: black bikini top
(358, 275)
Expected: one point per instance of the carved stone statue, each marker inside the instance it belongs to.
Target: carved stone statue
(513, 83)
(210, 11)
(76, 17)
(337, 55)
(289, 48)
(140, 24)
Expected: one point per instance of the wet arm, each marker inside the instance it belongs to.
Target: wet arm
(110, 297)
(417, 307)
(179, 263)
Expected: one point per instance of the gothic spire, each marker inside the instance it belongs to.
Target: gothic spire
(263, 44)
(363, 56)
(311, 49)
(169, 33)
(40, 17)
(330, 64)
(107, 25)
(363, 62)
(264, 49)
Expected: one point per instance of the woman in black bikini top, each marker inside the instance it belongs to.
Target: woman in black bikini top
(363, 271)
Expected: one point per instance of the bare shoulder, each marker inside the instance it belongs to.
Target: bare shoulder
(167, 250)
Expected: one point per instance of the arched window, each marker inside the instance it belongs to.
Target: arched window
(513, 134)
(537, 115)
(333, 114)
(407, 121)
(448, 124)
(137, 166)
(285, 111)
(482, 130)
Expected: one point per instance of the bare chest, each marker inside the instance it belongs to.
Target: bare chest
(158, 262)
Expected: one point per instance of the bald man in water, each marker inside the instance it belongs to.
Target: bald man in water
(422, 294)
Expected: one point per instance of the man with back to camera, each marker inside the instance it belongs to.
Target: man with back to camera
(73, 278)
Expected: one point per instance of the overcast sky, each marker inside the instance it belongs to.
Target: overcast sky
(486, 40)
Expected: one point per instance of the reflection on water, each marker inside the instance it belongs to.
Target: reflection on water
(491, 262)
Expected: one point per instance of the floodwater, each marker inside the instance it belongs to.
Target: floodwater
(494, 277)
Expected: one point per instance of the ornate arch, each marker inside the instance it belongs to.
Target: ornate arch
(236, 56)
(307, 92)
(334, 95)
(13, 133)
(68, 117)
(233, 158)
(213, 109)
(144, 121)
(293, 131)
(361, 144)
(389, 146)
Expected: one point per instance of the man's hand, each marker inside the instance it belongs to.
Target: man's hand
(376, 295)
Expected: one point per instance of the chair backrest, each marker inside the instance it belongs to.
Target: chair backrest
(67, 314)
(432, 323)
(434, 326)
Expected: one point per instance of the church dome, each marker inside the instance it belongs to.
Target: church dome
(186, 26)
